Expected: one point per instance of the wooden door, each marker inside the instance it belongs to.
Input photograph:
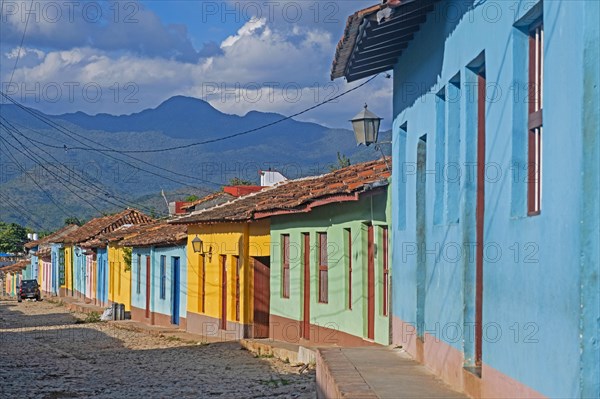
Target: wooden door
(175, 292)
(223, 292)
(262, 296)
(147, 287)
(305, 333)
(370, 283)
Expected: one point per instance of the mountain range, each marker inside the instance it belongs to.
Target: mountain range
(77, 166)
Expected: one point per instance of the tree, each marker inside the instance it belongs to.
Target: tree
(192, 198)
(73, 220)
(342, 162)
(12, 237)
(236, 181)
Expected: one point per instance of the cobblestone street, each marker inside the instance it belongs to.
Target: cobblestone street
(47, 352)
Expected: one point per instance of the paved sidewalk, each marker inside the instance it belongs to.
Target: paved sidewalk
(376, 373)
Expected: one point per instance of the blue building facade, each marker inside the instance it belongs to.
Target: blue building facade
(495, 189)
(102, 276)
(79, 271)
(166, 301)
(58, 265)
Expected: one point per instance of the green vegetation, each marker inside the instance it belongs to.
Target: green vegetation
(92, 317)
(342, 162)
(192, 198)
(12, 237)
(127, 251)
(236, 181)
(73, 220)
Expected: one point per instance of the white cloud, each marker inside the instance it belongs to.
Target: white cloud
(23, 52)
(248, 29)
(262, 67)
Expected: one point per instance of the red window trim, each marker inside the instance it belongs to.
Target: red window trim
(285, 275)
(386, 272)
(323, 268)
(535, 119)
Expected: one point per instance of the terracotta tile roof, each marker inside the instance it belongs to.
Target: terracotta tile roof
(163, 234)
(44, 252)
(126, 230)
(295, 196)
(345, 47)
(212, 199)
(369, 47)
(32, 244)
(57, 235)
(18, 266)
(105, 224)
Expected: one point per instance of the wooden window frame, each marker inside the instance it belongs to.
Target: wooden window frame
(285, 269)
(323, 268)
(535, 117)
(386, 272)
(163, 277)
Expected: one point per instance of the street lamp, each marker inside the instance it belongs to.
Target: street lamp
(366, 127)
(198, 247)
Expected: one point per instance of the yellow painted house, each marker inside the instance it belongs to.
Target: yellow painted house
(228, 272)
(221, 278)
(119, 279)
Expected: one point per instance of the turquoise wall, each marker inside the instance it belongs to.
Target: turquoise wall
(332, 219)
(163, 306)
(102, 275)
(79, 270)
(540, 273)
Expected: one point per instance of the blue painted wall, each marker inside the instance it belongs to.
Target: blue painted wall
(102, 275)
(540, 273)
(55, 272)
(157, 304)
(79, 261)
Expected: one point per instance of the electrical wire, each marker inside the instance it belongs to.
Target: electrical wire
(69, 133)
(65, 182)
(122, 201)
(22, 168)
(20, 211)
(215, 140)
(20, 45)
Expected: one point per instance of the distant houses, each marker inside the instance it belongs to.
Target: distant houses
(303, 261)
(277, 263)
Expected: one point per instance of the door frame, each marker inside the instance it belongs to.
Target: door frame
(223, 261)
(305, 326)
(175, 290)
(148, 286)
(370, 282)
(262, 296)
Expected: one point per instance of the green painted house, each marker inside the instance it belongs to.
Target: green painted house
(331, 263)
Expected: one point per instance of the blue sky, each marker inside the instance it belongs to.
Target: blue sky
(123, 57)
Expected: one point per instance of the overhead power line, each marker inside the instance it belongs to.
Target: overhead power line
(228, 137)
(85, 182)
(42, 189)
(74, 136)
